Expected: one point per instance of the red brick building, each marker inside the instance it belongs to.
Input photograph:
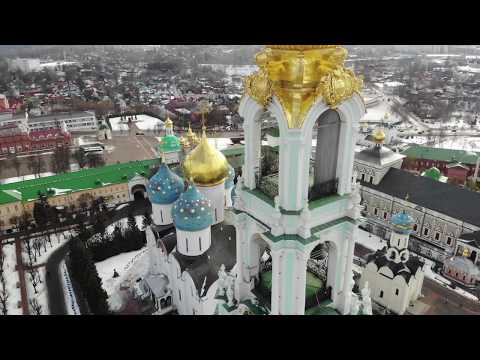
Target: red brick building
(14, 140)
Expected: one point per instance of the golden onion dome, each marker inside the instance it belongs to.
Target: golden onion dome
(205, 165)
(379, 136)
(168, 123)
(301, 47)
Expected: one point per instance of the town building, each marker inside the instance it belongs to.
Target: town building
(441, 211)
(17, 139)
(80, 121)
(395, 277)
(457, 165)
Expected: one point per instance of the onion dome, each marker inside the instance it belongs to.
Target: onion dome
(433, 173)
(463, 264)
(402, 223)
(379, 136)
(192, 211)
(165, 186)
(231, 176)
(205, 165)
(169, 143)
(168, 123)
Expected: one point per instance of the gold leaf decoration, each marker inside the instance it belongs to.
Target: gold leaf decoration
(298, 75)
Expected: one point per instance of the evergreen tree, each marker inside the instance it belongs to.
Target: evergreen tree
(85, 273)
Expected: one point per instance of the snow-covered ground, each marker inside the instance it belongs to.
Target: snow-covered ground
(68, 291)
(129, 266)
(41, 295)
(377, 113)
(117, 125)
(11, 279)
(143, 122)
(460, 143)
(123, 224)
(23, 178)
(468, 69)
(218, 143)
(370, 241)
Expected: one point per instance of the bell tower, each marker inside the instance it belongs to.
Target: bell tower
(308, 201)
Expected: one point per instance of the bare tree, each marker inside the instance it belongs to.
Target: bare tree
(34, 276)
(35, 306)
(15, 163)
(3, 287)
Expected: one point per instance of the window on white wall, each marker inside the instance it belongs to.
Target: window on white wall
(425, 231)
(186, 243)
(200, 243)
(437, 236)
(375, 211)
(396, 292)
(449, 240)
(381, 294)
(179, 295)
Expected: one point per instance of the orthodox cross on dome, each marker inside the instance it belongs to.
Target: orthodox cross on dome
(205, 107)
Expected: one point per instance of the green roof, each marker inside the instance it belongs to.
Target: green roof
(169, 143)
(85, 179)
(436, 154)
(74, 181)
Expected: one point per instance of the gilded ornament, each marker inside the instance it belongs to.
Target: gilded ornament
(298, 75)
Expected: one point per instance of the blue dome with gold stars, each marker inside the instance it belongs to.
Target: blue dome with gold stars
(231, 176)
(192, 211)
(165, 186)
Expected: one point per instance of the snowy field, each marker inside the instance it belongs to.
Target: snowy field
(461, 143)
(11, 279)
(129, 266)
(143, 122)
(23, 178)
(377, 113)
(370, 241)
(41, 295)
(123, 224)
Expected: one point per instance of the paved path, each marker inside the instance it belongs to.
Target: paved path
(21, 275)
(56, 297)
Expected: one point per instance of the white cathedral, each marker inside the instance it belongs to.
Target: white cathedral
(282, 238)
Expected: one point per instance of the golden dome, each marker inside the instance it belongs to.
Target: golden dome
(168, 123)
(379, 136)
(205, 165)
(301, 47)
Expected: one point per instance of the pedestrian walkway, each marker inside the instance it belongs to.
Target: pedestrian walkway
(21, 275)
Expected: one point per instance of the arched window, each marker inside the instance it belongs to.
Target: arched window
(381, 294)
(396, 292)
(200, 243)
(326, 155)
(186, 244)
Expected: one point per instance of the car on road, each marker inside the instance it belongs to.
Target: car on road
(139, 134)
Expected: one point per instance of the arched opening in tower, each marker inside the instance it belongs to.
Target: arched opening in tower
(318, 290)
(266, 176)
(323, 166)
(138, 192)
(261, 270)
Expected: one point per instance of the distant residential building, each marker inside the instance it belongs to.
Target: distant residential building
(74, 121)
(25, 65)
(16, 139)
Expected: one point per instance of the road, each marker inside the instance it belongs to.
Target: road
(56, 297)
